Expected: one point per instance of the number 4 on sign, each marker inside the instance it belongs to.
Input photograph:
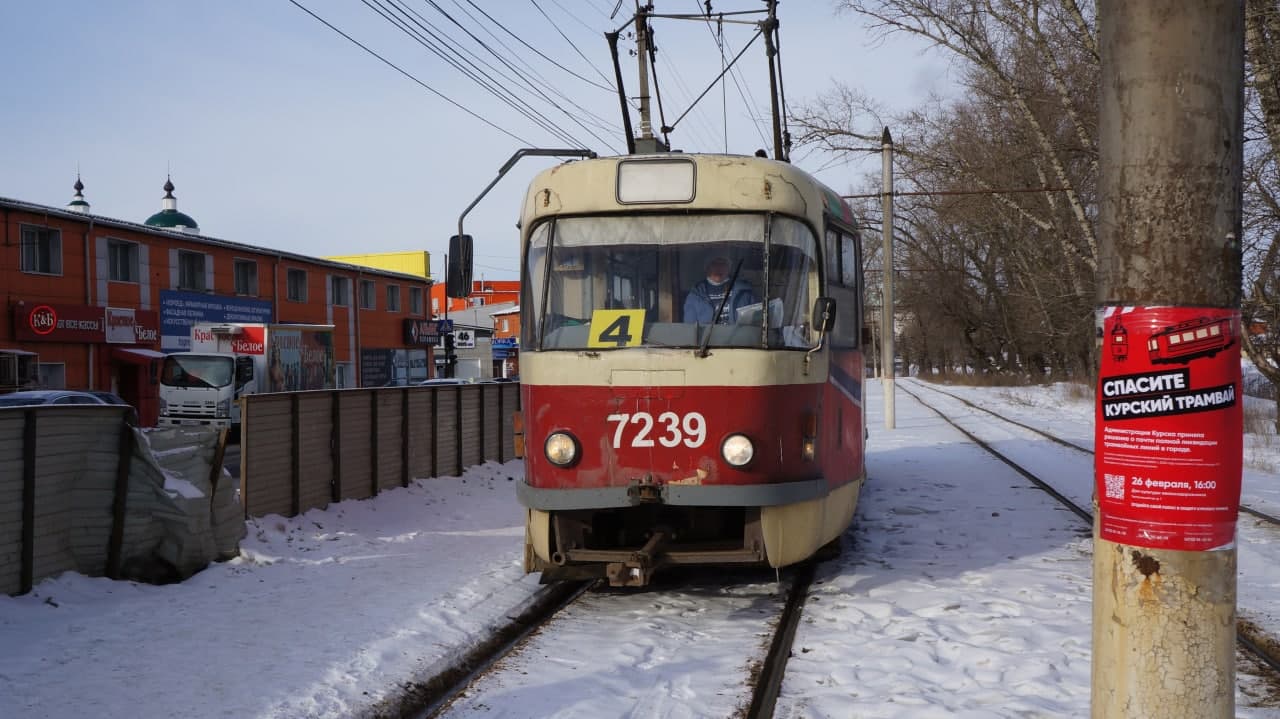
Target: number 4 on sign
(616, 328)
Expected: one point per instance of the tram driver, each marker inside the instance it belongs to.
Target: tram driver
(708, 294)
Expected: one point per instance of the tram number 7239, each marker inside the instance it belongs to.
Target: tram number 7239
(691, 429)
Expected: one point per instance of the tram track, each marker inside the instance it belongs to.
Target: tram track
(1254, 642)
(1259, 514)
(497, 661)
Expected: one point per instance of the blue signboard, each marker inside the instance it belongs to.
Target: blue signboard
(180, 310)
(444, 327)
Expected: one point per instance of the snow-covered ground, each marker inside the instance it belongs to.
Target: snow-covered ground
(959, 593)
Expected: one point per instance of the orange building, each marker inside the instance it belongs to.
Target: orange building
(483, 292)
(93, 302)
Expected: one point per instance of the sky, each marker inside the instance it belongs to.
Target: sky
(960, 592)
(279, 132)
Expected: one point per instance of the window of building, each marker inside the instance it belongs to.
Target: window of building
(368, 300)
(191, 271)
(297, 285)
(340, 291)
(415, 300)
(246, 272)
(122, 260)
(41, 250)
(393, 298)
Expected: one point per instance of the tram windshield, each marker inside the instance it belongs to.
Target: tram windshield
(618, 281)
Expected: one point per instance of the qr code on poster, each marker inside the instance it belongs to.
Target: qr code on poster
(1115, 485)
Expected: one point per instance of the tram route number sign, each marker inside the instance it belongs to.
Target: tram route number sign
(1168, 429)
(616, 328)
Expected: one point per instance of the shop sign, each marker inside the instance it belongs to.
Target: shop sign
(119, 326)
(1168, 429)
(421, 332)
(47, 322)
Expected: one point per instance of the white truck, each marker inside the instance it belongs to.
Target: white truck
(230, 360)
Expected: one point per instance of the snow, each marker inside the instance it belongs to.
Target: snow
(960, 593)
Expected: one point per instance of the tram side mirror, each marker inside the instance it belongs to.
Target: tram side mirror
(244, 370)
(824, 314)
(458, 274)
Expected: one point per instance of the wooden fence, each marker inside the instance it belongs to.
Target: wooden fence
(303, 450)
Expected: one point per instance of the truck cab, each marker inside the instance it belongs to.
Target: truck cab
(201, 388)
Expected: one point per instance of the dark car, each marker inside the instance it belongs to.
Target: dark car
(108, 397)
(48, 396)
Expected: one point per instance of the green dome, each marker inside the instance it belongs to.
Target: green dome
(171, 218)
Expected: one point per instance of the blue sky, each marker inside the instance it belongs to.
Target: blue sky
(278, 132)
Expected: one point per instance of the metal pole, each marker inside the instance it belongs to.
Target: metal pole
(1164, 556)
(770, 27)
(642, 54)
(886, 306)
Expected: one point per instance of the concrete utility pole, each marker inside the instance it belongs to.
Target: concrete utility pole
(1164, 584)
(642, 55)
(886, 306)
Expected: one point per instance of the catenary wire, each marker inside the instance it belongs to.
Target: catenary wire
(734, 75)
(566, 39)
(533, 72)
(512, 68)
(398, 69)
(608, 87)
(492, 85)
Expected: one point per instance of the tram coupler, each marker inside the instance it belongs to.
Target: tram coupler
(639, 568)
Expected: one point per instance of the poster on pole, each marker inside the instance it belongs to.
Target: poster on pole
(1168, 432)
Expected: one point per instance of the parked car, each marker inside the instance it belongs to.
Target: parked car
(108, 397)
(48, 396)
(443, 380)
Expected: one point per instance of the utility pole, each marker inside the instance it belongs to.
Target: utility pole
(646, 142)
(886, 306)
(1168, 418)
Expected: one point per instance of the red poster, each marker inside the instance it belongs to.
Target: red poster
(1169, 427)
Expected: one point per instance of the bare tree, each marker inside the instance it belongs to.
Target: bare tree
(1261, 250)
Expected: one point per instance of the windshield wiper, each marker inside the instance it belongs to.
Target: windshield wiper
(706, 341)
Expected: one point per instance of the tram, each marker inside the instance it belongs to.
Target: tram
(691, 366)
(1200, 337)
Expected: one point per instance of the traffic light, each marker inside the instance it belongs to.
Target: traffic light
(450, 359)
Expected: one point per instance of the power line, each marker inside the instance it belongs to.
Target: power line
(566, 39)
(542, 81)
(397, 68)
(443, 51)
(720, 42)
(609, 87)
(509, 66)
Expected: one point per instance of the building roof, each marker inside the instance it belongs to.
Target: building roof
(12, 204)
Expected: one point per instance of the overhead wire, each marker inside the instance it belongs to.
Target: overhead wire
(738, 85)
(609, 83)
(412, 77)
(512, 68)
(566, 39)
(475, 74)
(527, 83)
(542, 81)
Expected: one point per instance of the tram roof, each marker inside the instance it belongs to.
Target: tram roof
(720, 182)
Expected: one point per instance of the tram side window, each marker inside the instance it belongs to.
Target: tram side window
(843, 270)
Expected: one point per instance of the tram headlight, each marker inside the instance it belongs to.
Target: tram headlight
(737, 450)
(561, 449)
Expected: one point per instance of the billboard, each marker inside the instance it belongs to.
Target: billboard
(180, 310)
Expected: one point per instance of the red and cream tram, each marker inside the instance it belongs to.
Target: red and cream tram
(691, 366)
